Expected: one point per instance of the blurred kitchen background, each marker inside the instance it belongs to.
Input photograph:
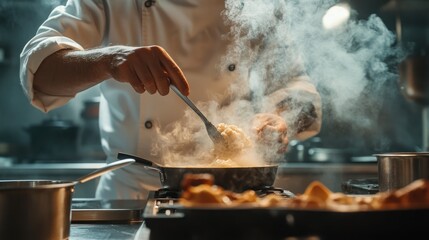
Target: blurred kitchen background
(69, 134)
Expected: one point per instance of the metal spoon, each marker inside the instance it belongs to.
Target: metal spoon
(214, 134)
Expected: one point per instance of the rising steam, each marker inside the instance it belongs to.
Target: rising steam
(279, 40)
(342, 62)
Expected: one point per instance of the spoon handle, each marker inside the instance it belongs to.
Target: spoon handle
(190, 103)
(211, 129)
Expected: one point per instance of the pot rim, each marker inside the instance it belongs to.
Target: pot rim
(402, 154)
(34, 184)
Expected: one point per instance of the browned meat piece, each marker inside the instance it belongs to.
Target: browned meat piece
(191, 180)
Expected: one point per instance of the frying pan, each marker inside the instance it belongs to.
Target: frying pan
(237, 179)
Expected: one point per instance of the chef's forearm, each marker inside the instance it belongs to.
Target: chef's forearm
(299, 104)
(68, 72)
(306, 113)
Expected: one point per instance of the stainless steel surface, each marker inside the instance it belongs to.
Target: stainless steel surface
(425, 128)
(108, 231)
(398, 169)
(328, 155)
(109, 167)
(297, 176)
(107, 210)
(211, 129)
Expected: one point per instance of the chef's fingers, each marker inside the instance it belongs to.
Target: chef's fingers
(143, 69)
(159, 75)
(282, 131)
(176, 75)
(283, 145)
(144, 77)
(134, 80)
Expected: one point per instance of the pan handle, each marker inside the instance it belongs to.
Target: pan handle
(138, 159)
(147, 164)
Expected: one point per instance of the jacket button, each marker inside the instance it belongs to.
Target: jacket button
(148, 124)
(149, 3)
(231, 67)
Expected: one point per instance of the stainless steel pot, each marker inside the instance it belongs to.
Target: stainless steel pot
(40, 209)
(398, 169)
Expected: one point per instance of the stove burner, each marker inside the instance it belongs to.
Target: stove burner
(166, 193)
(264, 191)
(360, 186)
(261, 192)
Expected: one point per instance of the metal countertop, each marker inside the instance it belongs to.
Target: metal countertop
(283, 166)
(108, 231)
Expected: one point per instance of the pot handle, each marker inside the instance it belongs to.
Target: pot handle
(140, 160)
(109, 167)
(147, 163)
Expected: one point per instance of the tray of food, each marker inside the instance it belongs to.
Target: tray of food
(318, 211)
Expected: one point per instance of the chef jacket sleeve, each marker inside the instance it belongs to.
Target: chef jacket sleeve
(76, 25)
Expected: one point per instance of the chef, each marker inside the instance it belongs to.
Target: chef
(133, 50)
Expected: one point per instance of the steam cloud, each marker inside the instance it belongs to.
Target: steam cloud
(280, 39)
(341, 62)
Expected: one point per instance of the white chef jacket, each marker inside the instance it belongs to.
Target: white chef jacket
(190, 31)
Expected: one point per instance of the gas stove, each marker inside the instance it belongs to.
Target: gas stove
(166, 193)
(166, 218)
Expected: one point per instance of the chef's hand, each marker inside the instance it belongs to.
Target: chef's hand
(271, 130)
(147, 68)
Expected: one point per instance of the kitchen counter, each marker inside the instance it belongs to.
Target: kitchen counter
(292, 176)
(134, 231)
(359, 229)
(297, 176)
(56, 168)
(62, 168)
(287, 168)
(108, 231)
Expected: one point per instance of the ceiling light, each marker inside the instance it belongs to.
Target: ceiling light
(336, 16)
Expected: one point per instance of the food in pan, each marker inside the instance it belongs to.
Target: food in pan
(207, 192)
(188, 148)
(316, 196)
(235, 141)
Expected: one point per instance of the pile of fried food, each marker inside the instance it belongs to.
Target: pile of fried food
(235, 142)
(200, 190)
